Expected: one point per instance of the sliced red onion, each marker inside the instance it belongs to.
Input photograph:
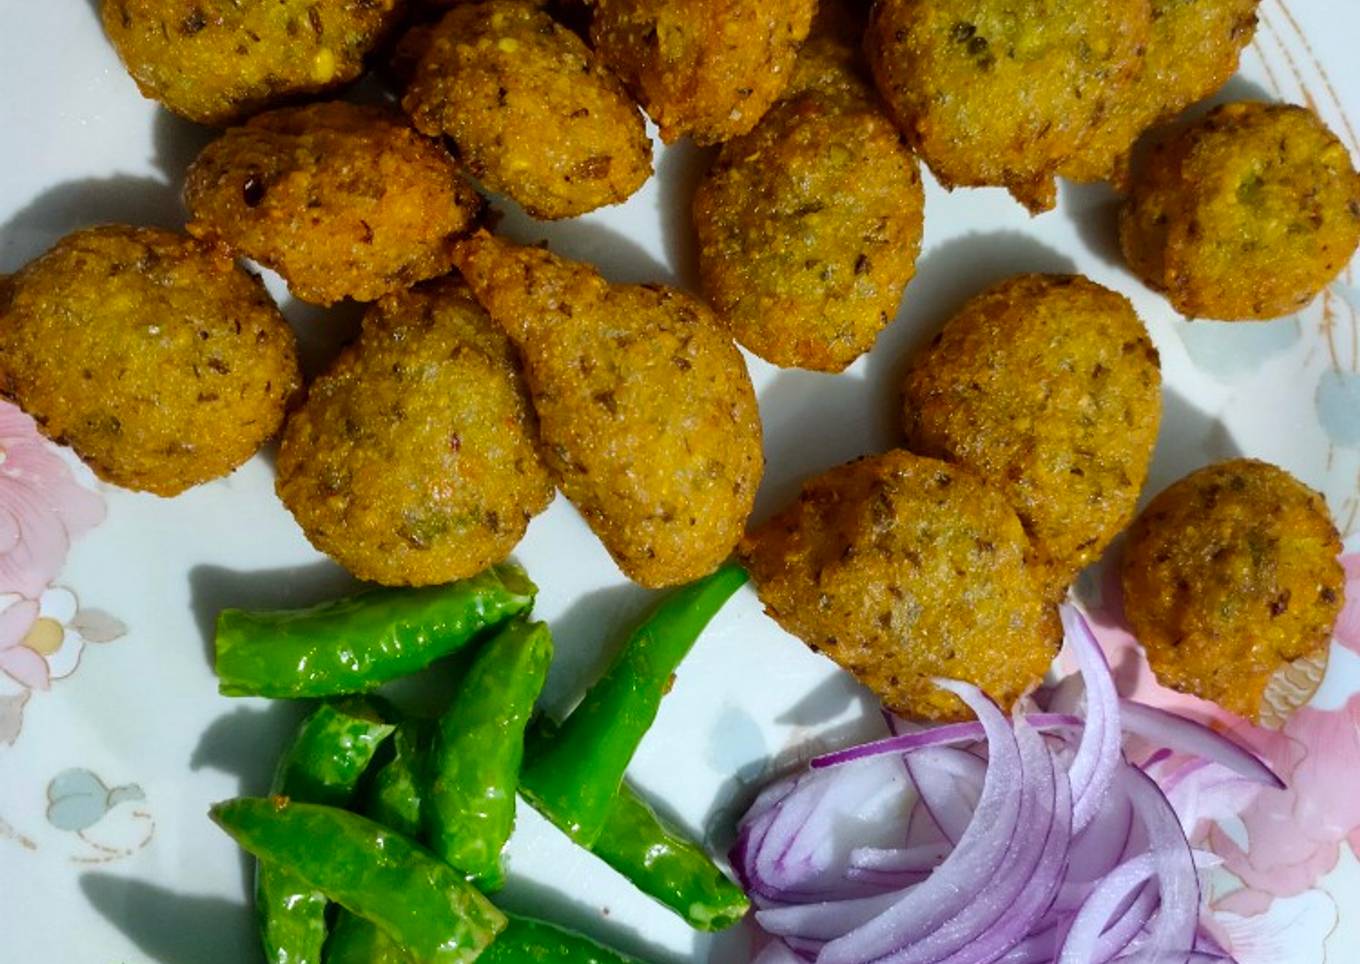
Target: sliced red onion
(1014, 903)
(1177, 733)
(939, 774)
(1021, 841)
(902, 859)
(1100, 907)
(1097, 757)
(950, 734)
(777, 952)
(977, 856)
(1177, 920)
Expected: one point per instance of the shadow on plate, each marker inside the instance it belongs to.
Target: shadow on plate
(321, 331)
(118, 199)
(548, 903)
(681, 167)
(1094, 208)
(214, 588)
(814, 421)
(587, 636)
(1190, 438)
(732, 946)
(619, 258)
(66, 207)
(173, 928)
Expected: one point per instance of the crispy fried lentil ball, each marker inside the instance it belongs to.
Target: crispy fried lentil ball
(990, 92)
(647, 413)
(1193, 49)
(1228, 575)
(156, 358)
(415, 458)
(1049, 387)
(809, 225)
(1247, 214)
(706, 68)
(344, 201)
(902, 568)
(533, 113)
(220, 61)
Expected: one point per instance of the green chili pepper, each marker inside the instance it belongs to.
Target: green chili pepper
(323, 764)
(573, 778)
(478, 747)
(353, 645)
(414, 897)
(662, 863)
(659, 860)
(354, 940)
(393, 796)
(524, 941)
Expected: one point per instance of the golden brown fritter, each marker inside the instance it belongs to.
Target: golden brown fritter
(809, 225)
(902, 568)
(647, 413)
(343, 201)
(415, 458)
(1193, 49)
(1048, 387)
(533, 113)
(156, 358)
(1247, 214)
(220, 61)
(707, 68)
(1230, 574)
(991, 92)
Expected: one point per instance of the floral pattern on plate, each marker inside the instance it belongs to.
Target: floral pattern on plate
(1285, 844)
(43, 510)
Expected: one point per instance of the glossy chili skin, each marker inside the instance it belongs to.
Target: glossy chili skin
(478, 747)
(657, 858)
(395, 795)
(322, 764)
(418, 900)
(354, 644)
(524, 941)
(665, 865)
(573, 777)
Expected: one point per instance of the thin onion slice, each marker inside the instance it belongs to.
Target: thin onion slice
(1021, 840)
(1187, 736)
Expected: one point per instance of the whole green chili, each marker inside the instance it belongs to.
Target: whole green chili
(524, 941)
(355, 644)
(393, 796)
(573, 777)
(478, 746)
(410, 894)
(322, 764)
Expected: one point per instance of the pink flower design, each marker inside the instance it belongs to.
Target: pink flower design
(1294, 836)
(42, 508)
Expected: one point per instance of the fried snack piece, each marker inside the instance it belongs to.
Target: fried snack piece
(1228, 575)
(809, 225)
(707, 68)
(220, 61)
(648, 417)
(415, 458)
(1193, 49)
(1048, 386)
(1247, 214)
(902, 568)
(533, 113)
(156, 358)
(343, 201)
(991, 92)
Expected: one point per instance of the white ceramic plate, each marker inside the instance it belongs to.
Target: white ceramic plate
(106, 854)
